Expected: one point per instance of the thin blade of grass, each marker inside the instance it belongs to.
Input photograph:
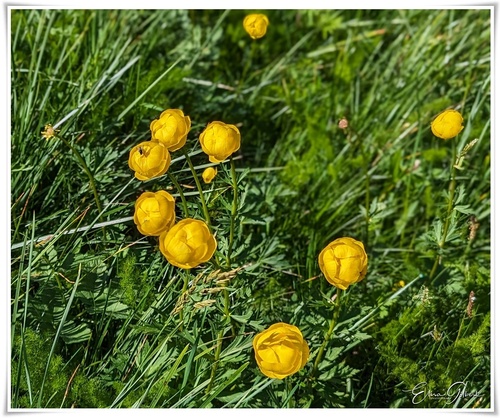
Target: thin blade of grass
(58, 332)
(154, 83)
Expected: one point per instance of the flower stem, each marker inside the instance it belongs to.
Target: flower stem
(227, 312)
(367, 204)
(233, 211)
(198, 185)
(181, 194)
(87, 171)
(451, 196)
(184, 288)
(220, 335)
(289, 391)
(216, 360)
(333, 322)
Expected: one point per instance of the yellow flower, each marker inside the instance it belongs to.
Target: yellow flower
(49, 132)
(219, 140)
(280, 350)
(188, 244)
(343, 262)
(171, 129)
(447, 124)
(209, 174)
(256, 25)
(398, 285)
(149, 159)
(154, 212)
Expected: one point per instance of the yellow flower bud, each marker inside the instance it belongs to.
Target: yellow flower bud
(219, 140)
(154, 212)
(447, 124)
(398, 285)
(209, 174)
(188, 244)
(149, 159)
(171, 129)
(343, 262)
(256, 25)
(280, 350)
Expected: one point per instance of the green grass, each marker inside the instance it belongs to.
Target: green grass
(96, 308)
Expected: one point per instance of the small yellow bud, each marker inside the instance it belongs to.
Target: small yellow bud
(209, 174)
(256, 25)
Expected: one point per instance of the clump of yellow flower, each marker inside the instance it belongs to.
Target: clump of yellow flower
(256, 25)
(209, 174)
(154, 212)
(171, 129)
(188, 244)
(343, 262)
(219, 140)
(447, 124)
(280, 350)
(149, 159)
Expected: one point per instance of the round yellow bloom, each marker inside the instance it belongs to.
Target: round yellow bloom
(188, 244)
(280, 350)
(154, 212)
(219, 140)
(343, 262)
(447, 124)
(149, 159)
(171, 129)
(209, 174)
(256, 25)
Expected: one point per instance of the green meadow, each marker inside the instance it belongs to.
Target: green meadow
(334, 108)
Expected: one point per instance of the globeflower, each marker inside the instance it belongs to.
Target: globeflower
(343, 262)
(447, 124)
(154, 212)
(280, 350)
(256, 25)
(209, 174)
(188, 244)
(171, 129)
(219, 140)
(149, 159)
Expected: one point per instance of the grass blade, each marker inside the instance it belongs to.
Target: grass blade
(58, 332)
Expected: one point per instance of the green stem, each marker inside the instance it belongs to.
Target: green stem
(328, 335)
(227, 312)
(198, 185)
(184, 288)
(289, 391)
(226, 304)
(216, 360)
(365, 155)
(233, 211)
(367, 204)
(181, 194)
(219, 339)
(87, 171)
(451, 188)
